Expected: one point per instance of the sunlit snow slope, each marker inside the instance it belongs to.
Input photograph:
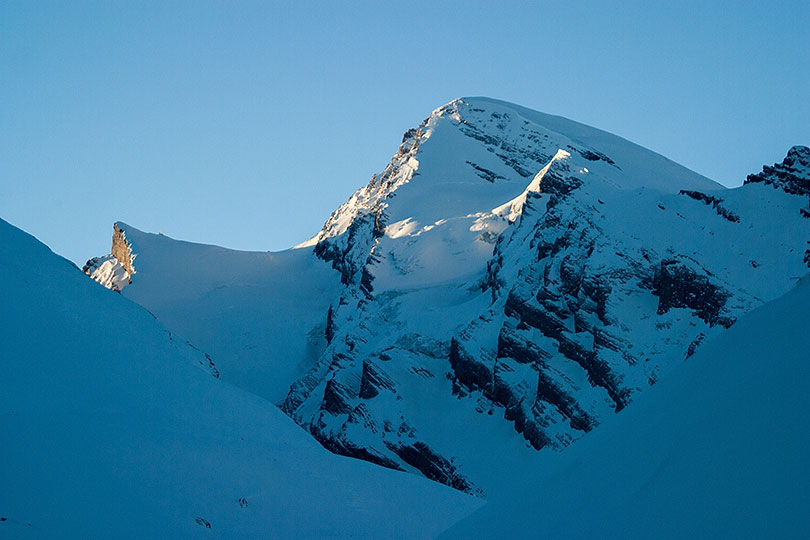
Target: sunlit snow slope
(114, 428)
(260, 315)
(717, 450)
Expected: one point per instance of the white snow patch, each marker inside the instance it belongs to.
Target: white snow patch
(108, 271)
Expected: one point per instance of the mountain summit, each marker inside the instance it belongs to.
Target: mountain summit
(510, 280)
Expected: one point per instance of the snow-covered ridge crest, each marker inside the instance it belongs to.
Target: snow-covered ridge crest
(115, 269)
(514, 208)
(371, 198)
(474, 139)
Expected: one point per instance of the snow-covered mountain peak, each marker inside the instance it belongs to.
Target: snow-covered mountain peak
(475, 154)
(506, 283)
(468, 158)
(548, 311)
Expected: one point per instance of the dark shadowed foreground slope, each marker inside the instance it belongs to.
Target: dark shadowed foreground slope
(110, 427)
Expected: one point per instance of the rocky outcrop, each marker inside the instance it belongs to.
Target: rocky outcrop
(791, 176)
(108, 271)
(122, 250)
(678, 285)
(352, 251)
(374, 380)
(114, 270)
(714, 202)
(420, 456)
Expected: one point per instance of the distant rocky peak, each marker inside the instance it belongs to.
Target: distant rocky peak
(792, 175)
(115, 269)
(121, 249)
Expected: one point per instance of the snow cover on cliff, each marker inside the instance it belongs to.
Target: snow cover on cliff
(113, 427)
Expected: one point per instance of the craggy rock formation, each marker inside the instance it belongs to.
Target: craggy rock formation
(714, 202)
(677, 285)
(121, 250)
(792, 175)
(114, 270)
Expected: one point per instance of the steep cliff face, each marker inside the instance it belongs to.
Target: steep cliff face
(509, 280)
(122, 250)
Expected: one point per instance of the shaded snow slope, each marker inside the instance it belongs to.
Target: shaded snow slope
(111, 429)
(260, 315)
(718, 450)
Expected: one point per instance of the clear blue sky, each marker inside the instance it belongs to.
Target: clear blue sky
(245, 124)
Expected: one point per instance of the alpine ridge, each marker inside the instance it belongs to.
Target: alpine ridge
(508, 282)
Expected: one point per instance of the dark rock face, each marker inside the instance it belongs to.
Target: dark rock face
(792, 175)
(346, 448)
(592, 155)
(486, 174)
(513, 346)
(555, 184)
(373, 380)
(342, 252)
(714, 202)
(467, 370)
(329, 331)
(336, 398)
(678, 285)
(432, 465)
(695, 344)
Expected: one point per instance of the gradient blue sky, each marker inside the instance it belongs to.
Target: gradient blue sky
(245, 124)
